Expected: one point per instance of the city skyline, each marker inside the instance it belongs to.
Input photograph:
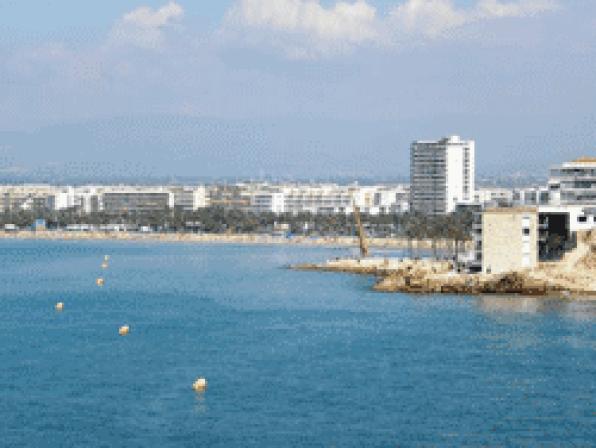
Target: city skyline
(303, 90)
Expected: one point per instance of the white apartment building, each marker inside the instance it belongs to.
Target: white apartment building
(577, 217)
(531, 196)
(267, 202)
(261, 197)
(89, 198)
(326, 198)
(493, 197)
(442, 174)
(189, 198)
(25, 197)
(574, 183)
(392, 199)
(133, 199)
(62, 198)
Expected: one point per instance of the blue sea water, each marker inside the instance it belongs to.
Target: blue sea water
(291, 358)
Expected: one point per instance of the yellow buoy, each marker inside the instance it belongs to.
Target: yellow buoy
(123, 330)
(106, 257)
(59, 306)
(200, 384)
(99, 281)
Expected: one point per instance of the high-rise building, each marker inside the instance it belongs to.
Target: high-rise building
(441, 175)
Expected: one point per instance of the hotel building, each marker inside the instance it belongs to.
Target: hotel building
(441, 175)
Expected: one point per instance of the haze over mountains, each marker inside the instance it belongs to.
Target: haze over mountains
(201, 148)
(235, 89)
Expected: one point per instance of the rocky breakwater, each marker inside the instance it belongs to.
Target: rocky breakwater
(380, 267)
(454, 283)
(575, 275)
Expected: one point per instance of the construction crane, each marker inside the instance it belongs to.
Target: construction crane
(361, 235)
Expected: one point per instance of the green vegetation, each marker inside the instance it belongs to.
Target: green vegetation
(456, 227)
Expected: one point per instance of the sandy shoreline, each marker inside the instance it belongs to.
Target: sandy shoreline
(340, 241)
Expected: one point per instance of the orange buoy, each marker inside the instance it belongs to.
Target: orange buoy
(99, 281)
(123, 330)
(59, 306)
(200, 384)
(104, 265)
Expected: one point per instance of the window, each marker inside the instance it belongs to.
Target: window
(525, 231)
(582, 219)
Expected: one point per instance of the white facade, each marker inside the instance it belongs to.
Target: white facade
(189, 198)
(326, 198)
(580, 218)
(25, 197)
(256, 197)
(267, 202)
(491, 197)
(442, 175)
(531, 196)
(574, 183)
(63, 198)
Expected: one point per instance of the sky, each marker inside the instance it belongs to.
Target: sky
(292, 89)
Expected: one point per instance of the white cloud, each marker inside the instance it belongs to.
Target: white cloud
(523, 8)
(144, 26)
(437, 18)
(306, 28)
(426, 17)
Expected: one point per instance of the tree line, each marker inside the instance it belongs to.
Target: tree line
(414, 226)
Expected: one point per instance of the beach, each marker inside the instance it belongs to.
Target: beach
(225, 238)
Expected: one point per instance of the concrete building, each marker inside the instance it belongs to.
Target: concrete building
(531, 196)
(493, 197)
(256, 197)
(325, 198)
(137, 200)
(189, 198)
(319, 199)
(507, 240)
(34, 197)
(574, 183)
(577, 217)
(392, 199)
(442, 174)
(267, 202)
(89, 198)
(62, 198)
(235, 196)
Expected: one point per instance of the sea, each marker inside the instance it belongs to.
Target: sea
(290, 358)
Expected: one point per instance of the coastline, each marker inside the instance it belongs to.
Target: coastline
(227, 238)
(437, 277)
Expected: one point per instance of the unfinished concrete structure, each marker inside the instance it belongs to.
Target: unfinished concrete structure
(509, 239)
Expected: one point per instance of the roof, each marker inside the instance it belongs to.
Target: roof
(511, 210)
(585, 160)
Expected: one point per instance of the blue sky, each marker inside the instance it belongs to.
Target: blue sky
(291, 88)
